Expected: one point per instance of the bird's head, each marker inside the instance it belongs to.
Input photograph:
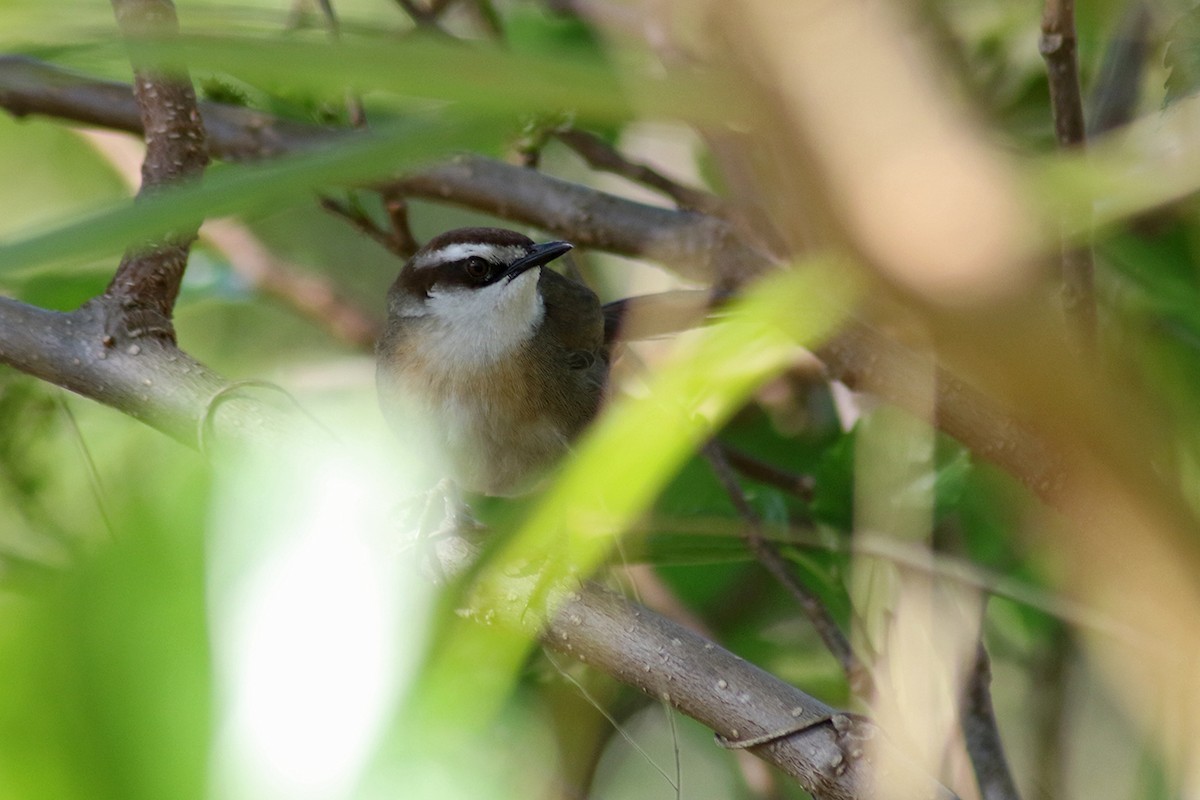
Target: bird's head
(477, 288)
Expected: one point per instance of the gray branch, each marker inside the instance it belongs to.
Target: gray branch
(828, 752)
(149, 379)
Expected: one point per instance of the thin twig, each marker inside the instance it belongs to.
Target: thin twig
(364, 224)
(761, 471)
(600, 155)
(982, 734)
(766, 553)
(396, 206)
(697, 246)
(1058, 46)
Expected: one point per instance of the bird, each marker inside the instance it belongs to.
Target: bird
(490, 362)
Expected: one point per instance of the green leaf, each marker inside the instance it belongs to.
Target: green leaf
(105, 669)
(244, 188)
(483, 77)
(1182, 56)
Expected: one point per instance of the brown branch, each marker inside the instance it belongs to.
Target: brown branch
(1050, 676)
(147, 281)
(600, 155)
(695, 245)
(397, 211)
(32, 87)
(362, 222)
(1059, 46)
(756, 469)
(766, 553)
(826, 751)
(91, 350)
(1059, 49)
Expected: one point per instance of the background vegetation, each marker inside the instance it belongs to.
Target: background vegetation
(999, 444)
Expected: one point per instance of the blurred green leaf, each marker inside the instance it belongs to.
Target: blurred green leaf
(487, 78)
(1182, 56)
(833, 495)
(529, 29)
(243, 189)
(106, 670)
(833, 492)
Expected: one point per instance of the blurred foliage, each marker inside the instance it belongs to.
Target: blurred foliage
(105, 574)
(1182, 56)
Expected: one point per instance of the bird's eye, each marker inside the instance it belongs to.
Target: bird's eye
(477, 268)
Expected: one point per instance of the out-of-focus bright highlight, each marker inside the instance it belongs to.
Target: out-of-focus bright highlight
(314, 624)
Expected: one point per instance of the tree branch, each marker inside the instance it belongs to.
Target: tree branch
(982, 733)
(353, 214)
(150, 379)
(822, 621)
(147, 281)
(599, 154)
(1058, 46)
(828, 752)
(31, 87)
(791, 482)
(694, 245)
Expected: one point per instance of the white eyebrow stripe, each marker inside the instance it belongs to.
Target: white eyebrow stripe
(497, 254)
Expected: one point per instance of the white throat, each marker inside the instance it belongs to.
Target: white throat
(480, 326)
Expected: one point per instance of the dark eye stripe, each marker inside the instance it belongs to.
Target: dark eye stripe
(421, 281)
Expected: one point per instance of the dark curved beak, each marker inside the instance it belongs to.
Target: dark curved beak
(538, 255)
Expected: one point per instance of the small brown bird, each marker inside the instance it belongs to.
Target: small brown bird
(491, 362)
